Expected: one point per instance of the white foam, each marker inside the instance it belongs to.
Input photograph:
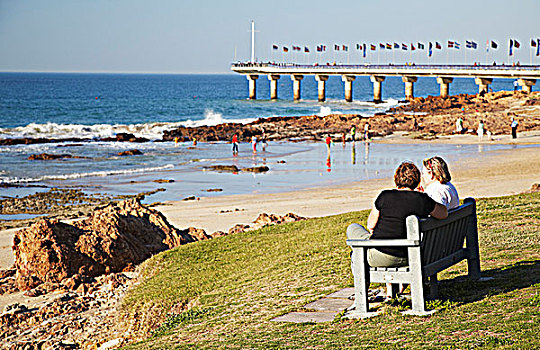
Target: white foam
(325, 111)
(81, 175)
(153, 131)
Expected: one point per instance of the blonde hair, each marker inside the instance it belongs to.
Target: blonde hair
(438, 168)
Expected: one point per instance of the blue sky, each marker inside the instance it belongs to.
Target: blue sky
(205, 36)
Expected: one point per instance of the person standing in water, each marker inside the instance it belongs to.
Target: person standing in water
(254, 143)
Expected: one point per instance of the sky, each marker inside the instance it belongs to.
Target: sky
(206, 36)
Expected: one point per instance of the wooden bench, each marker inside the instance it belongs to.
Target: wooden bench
(433, 246)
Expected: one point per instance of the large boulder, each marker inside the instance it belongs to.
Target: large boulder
(112, 239)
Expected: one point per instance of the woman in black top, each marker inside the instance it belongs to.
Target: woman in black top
(387, 218)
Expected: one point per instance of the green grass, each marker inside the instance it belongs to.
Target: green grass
(222, 293)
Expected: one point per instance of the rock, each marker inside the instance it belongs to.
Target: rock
(264, 219)
(47, 156)
(219, 234)
(257, 169)
(164, 181)
(15, 308)
(238, 228)
(112, 239)
(190, 198)
(224, 168)
(131, 152)
(214, 190)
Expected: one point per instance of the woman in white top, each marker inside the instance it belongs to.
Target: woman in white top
(436, 182)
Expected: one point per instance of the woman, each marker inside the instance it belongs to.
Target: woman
(436, 182)
(387, 218)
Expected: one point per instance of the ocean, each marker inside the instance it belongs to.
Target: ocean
(62, 105)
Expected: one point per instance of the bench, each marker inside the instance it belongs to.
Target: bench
(433, 245)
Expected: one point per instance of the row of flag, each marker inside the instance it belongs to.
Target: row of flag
(451, 44)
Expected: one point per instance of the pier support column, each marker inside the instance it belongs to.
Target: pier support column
(348, 80)
(252, 78)
(297, 79)
(377, 87)
(409, 86)
(483, 84)
(445, 85)
(526, 84)
(321, 86)
(273, 85)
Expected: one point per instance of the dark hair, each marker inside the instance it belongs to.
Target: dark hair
(407, 175)
(438, 168)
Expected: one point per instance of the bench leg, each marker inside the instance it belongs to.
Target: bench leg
(392, 290)
(433, 284)
(360, 270)
(417, 296)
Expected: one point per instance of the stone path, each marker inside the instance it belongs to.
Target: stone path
(322, 310)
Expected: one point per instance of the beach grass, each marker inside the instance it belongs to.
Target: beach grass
(222, 293)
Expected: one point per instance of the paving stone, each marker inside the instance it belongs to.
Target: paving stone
(344, 293)
(329, 304)
(301, 317)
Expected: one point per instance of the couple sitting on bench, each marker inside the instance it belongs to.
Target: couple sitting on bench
(388, 220)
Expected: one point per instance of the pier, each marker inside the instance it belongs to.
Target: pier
(526, 75)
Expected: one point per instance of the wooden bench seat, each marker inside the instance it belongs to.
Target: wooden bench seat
(433, 246)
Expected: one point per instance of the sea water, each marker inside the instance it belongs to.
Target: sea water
(101, 105)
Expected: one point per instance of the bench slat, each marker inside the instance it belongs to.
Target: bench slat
(382, 243)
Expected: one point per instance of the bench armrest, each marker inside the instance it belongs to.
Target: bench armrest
(369, 243)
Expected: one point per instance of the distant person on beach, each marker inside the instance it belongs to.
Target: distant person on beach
(343, 138)
(328, 141)
(254, 143)
(459, 125)
(436, 182)
(515, 85)
(480, 130)
(263, 143)
(235, 144)
(366, 131)
(387, 217)
(514, 126)
(176, 141)
(194, 142)
(353, 133)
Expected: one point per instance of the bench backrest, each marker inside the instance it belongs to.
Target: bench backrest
(441, 238)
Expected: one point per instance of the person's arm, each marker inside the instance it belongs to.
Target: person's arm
(439, 212)
(372, 220)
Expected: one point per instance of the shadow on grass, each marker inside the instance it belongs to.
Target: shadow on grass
(520, 275)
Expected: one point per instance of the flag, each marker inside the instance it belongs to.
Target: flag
(345, 48)
(510, 47)
(396, 46)
(471, 44)
(430, 51)
(324, 47)
(456, 45)
(404, 46)
(450, 44)
(373, 47)
(275, 47)
(438, 46)
(533, 43)
(516, 44)
(285, 49)
(388, 46)
(319, 48)
(537, 47)
(364, 48)
(382, 46)
(306, 49)
(494, 45)
(412, 47)
(358, 47)
(336, 47)
(421, 46)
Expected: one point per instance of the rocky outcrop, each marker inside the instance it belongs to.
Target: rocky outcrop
(131, 152)
(263, 220)
(47, 156)
(113, 239)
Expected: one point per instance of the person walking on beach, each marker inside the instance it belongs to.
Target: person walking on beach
(366, 131)
(194, 142)
(515, 85)
(480, 130)
(353, 133)
(263, 143)
(436, 182)
(459, 125)
(328, 143)
(514, 126)
(235, 144)
(254, 143)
